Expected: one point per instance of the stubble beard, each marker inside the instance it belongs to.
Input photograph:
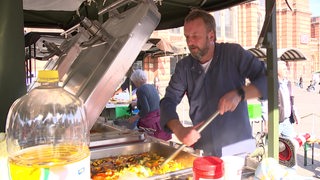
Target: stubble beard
(201, 52)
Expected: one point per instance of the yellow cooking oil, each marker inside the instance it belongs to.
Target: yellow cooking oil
(47, 162)
(47, 134)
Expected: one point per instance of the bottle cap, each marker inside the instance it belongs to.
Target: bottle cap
(48, 76)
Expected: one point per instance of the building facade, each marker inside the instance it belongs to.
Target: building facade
(296, 29)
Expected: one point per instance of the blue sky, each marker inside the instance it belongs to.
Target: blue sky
(315, 7)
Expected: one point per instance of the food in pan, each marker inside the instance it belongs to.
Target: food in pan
(137, 165)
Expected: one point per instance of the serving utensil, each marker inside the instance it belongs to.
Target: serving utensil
(204, 125)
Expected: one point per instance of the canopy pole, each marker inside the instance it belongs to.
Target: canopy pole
(272, 77)
(12, 66)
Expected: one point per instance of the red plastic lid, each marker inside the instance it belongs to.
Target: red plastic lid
(209, 165)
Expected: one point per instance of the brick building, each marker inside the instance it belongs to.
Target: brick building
(242, 24)
(315, 43)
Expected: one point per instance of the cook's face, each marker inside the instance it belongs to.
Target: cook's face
(197, 37)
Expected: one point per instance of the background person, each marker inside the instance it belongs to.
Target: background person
(213, 78)
(148, 101)
(286, 104)
(301, 82)
(286, 99)
(127, 85)
(313, 83)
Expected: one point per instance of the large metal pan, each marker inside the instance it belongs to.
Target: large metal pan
(107, 134)
(162, 149)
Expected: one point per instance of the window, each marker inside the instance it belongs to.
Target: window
(175, 30)
(259, 24)
(173, 62)
(218, 23)
(137, 65)
(229, 24)
(262, 3)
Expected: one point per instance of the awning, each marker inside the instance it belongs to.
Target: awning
(65, 14)
(157, 47)
(259, 53)
(49, 5)
(287, 54)
(291, 55)
(163, 45)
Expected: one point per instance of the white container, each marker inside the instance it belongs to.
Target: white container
(4, 175)
(232, 167)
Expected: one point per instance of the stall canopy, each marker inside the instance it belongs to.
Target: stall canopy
(287, 54)
(65, 14)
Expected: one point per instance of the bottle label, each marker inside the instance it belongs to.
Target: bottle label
(79, 170)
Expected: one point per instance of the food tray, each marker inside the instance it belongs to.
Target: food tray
(162, 149)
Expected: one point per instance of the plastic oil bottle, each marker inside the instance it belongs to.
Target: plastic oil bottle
(47, 134)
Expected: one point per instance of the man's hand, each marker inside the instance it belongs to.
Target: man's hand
(231, 99)
(187, 135)
(229, 102)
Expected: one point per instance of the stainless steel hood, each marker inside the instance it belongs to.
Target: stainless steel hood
(93, 63)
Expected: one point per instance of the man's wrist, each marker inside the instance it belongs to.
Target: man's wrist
(241, 93)
(174, 125)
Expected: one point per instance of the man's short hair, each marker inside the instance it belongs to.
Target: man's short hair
(208, 19)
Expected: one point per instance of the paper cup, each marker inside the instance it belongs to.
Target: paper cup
(232, 167)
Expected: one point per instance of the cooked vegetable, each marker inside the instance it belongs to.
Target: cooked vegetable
(139, 165)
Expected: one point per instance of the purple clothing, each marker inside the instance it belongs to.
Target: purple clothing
(152, 121)
(229, 68)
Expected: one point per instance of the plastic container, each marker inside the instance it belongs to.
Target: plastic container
(254, 111)
(233, 167)
(122, 112)
(47, 134)
(208, 167)
(3, 157)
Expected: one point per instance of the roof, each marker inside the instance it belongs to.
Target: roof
(65, 14)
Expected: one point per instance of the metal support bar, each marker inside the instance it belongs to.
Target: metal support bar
(12, 57)
(266, 23)
(306, 148)
(272, 77)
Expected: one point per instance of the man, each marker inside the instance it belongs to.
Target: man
(286, 104)
(213, 79)
(286, 128)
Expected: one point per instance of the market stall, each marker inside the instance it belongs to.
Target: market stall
(87, 67)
